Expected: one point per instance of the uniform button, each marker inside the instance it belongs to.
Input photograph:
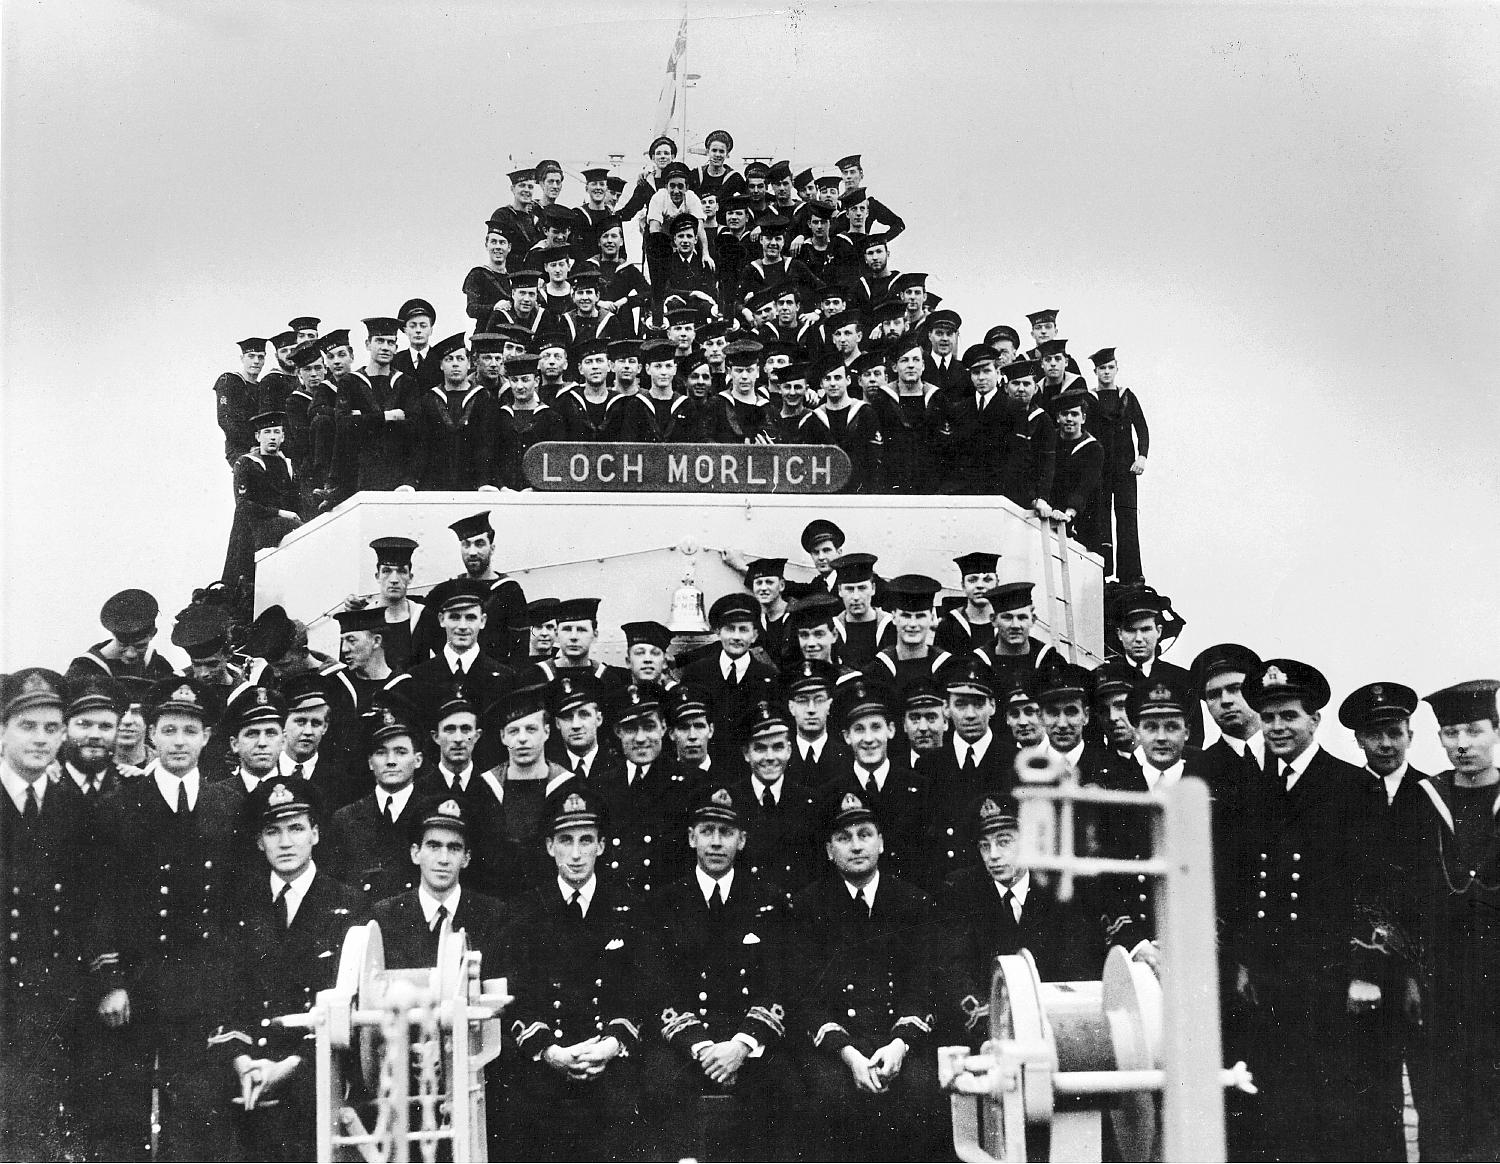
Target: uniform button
(13, 961)
(208, 864)
(598, 982)
(1296, 876)
(57, 909)
(165, 890)
(598, 1026)
(1140, 877)
(950, 833)
(557, 1034)
(646, 864)
(15, 913)
(265, 1022)
(205, 913)
(742, 971)
(1292, 916)
(1143, 897)
(161, 937)
(57, 887)
(646, 839)
(744, 990)
(1296, 856)
(1294, 897)
(15, 937)
(646, 887)
(260, 1042)
(163, 913)
(1262, 892)
(557, 1004)
(614, 864)
(1263, 874)
(851, 1012)
(950, 851)
(617, 840)
(702, 997)
(1262, 856)
(1260, 913)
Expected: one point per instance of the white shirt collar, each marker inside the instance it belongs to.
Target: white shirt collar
(962, 747)
(166, 783)
(1073, 754)
(1158, 777)
(297, 888)
(1299, 765)
(250, 782)
(1392, 782)
(587, 759)
(455, 659)
(815, 747)
(706, 883)
(1255, 745)
(16, 785)
(585, 891)
(84, 780)
(430, 904)
(397, 800)
(775, 786)
(460, 779)
(738, 666)
(285, 764)
(863, 774)
(869, 890)
(1019, 890)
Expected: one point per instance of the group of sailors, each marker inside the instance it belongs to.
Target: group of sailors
(774, 865)
(767, 310)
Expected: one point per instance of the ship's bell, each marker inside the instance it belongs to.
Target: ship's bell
(689, 616)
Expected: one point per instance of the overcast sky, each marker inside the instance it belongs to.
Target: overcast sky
(1283, 216)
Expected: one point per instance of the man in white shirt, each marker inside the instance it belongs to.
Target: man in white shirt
(726, 956)
(816, 756)
(924, 718)
(285, 950)
(255, 716)
(1219, 674)
(368, 839)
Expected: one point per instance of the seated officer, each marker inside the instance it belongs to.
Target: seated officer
(286, 944)
(866, 1001)
(368, 839)
(410, 922)
(996, 906)
(720, 937)
(572, 952)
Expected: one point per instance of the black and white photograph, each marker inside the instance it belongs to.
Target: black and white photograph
(890, 580)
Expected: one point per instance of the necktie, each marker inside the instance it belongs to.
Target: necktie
(296, 771)
(969, 765)
(183, 808)
(767, 800)
(1286, 776)
(1011, 902)
(576, 903)
(632, 774)
(807, 756)
(864, 900)
(33, 807)
(390, 811)
(716, 899)
(439, 917)
(283, 907)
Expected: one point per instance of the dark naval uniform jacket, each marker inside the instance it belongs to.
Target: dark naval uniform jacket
(781, 844)
(409, 941)
(647, 822)
(574, 978)
(863, 979)
(724, 970)
(900, 802)
(368, 853)
(279, 971)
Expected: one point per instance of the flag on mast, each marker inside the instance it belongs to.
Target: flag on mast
(666, 104)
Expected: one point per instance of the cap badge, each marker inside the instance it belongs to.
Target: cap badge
(989, 810)
(1161, 693)
(449, 808)
(575, 803)
(185, 694)
(261, 697)
(1274, 677)
(850, 801)
(722, 797)
(387, 717)
(1377, 692)
(34, 683)
(280, 795)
